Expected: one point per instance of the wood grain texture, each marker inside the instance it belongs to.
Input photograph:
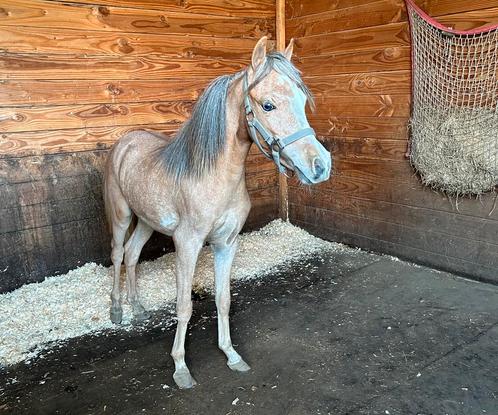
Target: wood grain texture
(367, 106)
(20, 66)
(376, 60)
(365, 147)
(441, 7)
(59, 15)
(76, 76)
(358, 66)
(473, 270)
(51, 207)
(55, 92)
(367, 83)
(297, 8)
(414, 217)
(363, 15)
(408, 193)
(453, 246)
(471, 19)
(78, 42)
(377, 37)
(94, 115)
(241, 8)
(373, 127)
(283, 203)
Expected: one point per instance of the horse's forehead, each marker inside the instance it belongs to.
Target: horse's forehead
(278, 83)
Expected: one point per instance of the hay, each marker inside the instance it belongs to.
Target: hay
(456, 152)
(36, 317)
(454, 122)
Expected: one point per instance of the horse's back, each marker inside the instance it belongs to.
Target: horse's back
(137, 143)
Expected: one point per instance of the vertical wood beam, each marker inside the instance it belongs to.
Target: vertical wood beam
(283, 197)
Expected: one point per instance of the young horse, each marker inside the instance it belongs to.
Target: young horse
(193, 187)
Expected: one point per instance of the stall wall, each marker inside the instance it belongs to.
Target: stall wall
(355, 56)
(77, 75)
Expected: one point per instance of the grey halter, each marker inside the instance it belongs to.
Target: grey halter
(275, 144)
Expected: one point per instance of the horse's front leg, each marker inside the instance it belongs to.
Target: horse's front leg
(223, 258)
(187, 247)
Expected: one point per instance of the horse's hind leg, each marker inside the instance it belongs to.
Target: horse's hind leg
(119, 217)
(133, 247)
(119, 229)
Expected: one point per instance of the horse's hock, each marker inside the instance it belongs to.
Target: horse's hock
(409, 114)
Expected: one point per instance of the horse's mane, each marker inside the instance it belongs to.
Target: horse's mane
(196, 147)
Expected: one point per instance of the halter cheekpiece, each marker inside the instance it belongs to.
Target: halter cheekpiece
(275, 144)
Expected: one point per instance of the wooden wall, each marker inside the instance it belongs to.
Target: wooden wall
(74, 77)
(355, 56)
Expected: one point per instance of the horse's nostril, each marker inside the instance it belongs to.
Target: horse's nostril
(318, 167)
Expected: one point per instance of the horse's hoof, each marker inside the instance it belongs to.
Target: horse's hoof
(140, 313)
(141, 316)
(239, 366)
(184, 379)
(116, 315)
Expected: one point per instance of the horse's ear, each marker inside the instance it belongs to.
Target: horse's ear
(259, 53)
(289, 49)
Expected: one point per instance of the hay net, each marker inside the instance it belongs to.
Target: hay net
(454, 121)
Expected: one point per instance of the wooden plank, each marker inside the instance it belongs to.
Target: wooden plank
(454, 265)
(441, 7)
(410, 192)
(366, 83)
(386, 36)
(363, 15)
(297, 8)
(373, 169)
(367, 106)
(369, 127)
(373, 127)
(377, 60)
(364, 147)
(54, 92)
(71, 140)
(450, 223)
(16, 66)
(428, 240)
(53, 212)
(79, 42)
(240, 8)
(19, 145)
(472, 19)
(283, 201)
(31, 180)
(385, 12)
(58, 15)
(17, 119)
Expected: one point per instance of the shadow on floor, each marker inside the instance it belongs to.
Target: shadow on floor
(342, 333)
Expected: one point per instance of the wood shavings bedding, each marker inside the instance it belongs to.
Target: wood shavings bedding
(35, 316)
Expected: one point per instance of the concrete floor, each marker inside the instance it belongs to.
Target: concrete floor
(339, 334)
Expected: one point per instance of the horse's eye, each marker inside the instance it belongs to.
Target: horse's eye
(268, 106)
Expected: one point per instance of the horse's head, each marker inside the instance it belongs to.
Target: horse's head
(275, 110)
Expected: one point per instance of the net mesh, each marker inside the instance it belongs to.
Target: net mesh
(454, 122)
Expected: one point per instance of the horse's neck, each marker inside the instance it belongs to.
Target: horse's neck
(237, 146)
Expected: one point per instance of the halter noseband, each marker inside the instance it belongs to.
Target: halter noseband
(275, 144)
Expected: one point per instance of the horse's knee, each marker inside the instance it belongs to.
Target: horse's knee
(117, 254)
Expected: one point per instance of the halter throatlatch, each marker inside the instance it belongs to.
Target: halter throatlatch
(275, 144)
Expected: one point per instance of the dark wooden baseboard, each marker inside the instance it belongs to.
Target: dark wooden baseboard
(52, 216)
